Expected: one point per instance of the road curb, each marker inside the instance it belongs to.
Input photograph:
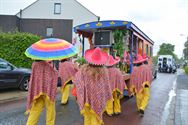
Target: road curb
(13, 99)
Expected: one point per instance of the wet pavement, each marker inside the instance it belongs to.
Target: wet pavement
(181, 108)
(160, 111)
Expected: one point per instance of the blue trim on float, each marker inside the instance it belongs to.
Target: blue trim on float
(100, 24)
(112, 24)
(131, 57)
(135, 28)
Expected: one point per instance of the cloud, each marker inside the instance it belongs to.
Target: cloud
(161, 20)
(11, 7)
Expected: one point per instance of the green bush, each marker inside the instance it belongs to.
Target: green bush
(186, 69)
(13, 46)
(81, 60)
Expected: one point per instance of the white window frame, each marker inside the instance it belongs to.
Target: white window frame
(57, 8)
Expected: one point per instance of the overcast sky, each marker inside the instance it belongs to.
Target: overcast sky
(161, 20)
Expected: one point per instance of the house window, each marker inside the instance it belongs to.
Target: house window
(57, 8)
(151, 51)
(49, 32)
(147, 50)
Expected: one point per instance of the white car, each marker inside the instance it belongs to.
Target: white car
(166, 63)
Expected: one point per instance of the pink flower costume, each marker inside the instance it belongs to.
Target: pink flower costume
(42, 92)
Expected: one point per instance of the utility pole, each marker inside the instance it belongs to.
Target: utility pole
(20, 21)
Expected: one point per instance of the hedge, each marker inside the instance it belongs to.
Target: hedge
(186, 69)
(13, 46)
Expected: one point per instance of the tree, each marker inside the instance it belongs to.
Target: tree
(185, 50)
(155, 59)
(180, 60)
(167, 49)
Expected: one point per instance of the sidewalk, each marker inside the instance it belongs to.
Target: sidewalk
(11, 95)
(181, 107)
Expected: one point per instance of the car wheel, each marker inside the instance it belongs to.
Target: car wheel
(25, 84)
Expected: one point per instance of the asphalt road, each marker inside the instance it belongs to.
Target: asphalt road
(160, 110)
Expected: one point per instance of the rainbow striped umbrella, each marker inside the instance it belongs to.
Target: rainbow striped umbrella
(51, 49)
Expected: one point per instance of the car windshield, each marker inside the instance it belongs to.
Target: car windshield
(5, 65)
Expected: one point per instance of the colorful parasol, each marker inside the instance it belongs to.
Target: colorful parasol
(51, 49)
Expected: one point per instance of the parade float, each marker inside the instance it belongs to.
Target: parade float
(118, 38)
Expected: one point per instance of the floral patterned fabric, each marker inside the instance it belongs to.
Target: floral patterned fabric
(116, 80)
(66, 71)
(92, 92)
(43, 81)
(147, 76)
(140, 75)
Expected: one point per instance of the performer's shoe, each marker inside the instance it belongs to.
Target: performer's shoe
(117, 113)
(141, 112)
(64, 103)
(110, 115)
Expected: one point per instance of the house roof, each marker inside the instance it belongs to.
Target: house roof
(86, 8)
(110, 25)
(27, 7)
(74, 0)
